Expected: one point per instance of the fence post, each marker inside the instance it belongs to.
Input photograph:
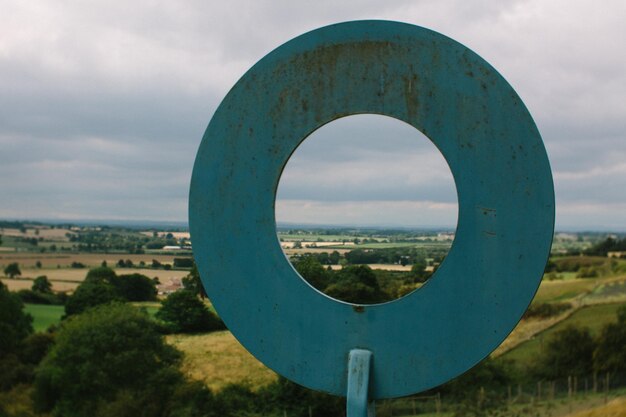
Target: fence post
(538, 390)
(606, 388)
(438, 403)
(569, 386)
(595, 382)
(509, 391)
(586, 387)
(519, 392)
(481, 398)
(310, 412)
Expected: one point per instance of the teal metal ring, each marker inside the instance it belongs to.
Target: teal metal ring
(505, 195)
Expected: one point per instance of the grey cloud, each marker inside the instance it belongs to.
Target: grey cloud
(103, 104)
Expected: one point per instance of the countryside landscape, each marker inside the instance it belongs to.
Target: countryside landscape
(372, 140)
(67, 282)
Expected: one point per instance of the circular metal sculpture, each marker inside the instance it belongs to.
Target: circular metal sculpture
(505, 220)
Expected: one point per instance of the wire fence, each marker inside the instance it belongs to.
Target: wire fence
(529, 393)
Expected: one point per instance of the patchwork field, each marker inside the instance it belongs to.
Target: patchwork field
(58, 268)
(65, 260)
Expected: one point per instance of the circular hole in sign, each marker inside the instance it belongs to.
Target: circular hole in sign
(366, 209)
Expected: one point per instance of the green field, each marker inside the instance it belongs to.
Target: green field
(44, 315)
(593, 317)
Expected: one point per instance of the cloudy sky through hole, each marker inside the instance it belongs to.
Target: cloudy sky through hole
(367, 170)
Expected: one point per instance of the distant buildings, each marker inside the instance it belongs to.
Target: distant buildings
(172, 285)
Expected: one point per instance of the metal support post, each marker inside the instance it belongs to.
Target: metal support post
(357, 400)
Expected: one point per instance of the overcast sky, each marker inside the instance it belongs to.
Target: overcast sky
(103, 105)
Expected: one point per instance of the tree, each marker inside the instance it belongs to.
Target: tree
(312, 270)
(185, 313)
(568, 352)
(193, 283)
(42, 284)
(90, 294)
(108, 361)
(418, 271)
(12, 270)
(101, 274)
(610, 354)
(136, 287)
(357, 284)
(183, 263)
(15, 325)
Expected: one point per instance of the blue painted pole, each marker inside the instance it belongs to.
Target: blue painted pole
(357, 400)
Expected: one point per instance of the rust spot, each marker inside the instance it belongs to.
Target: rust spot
(358, 309)
(487, 210)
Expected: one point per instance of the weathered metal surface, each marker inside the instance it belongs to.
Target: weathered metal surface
(503, 181)
(358, 404)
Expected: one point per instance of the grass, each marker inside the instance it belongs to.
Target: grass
(44, 315)
(593, 317)
(558, 290)
(150, 307)
(614, 408)
(218, 359)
